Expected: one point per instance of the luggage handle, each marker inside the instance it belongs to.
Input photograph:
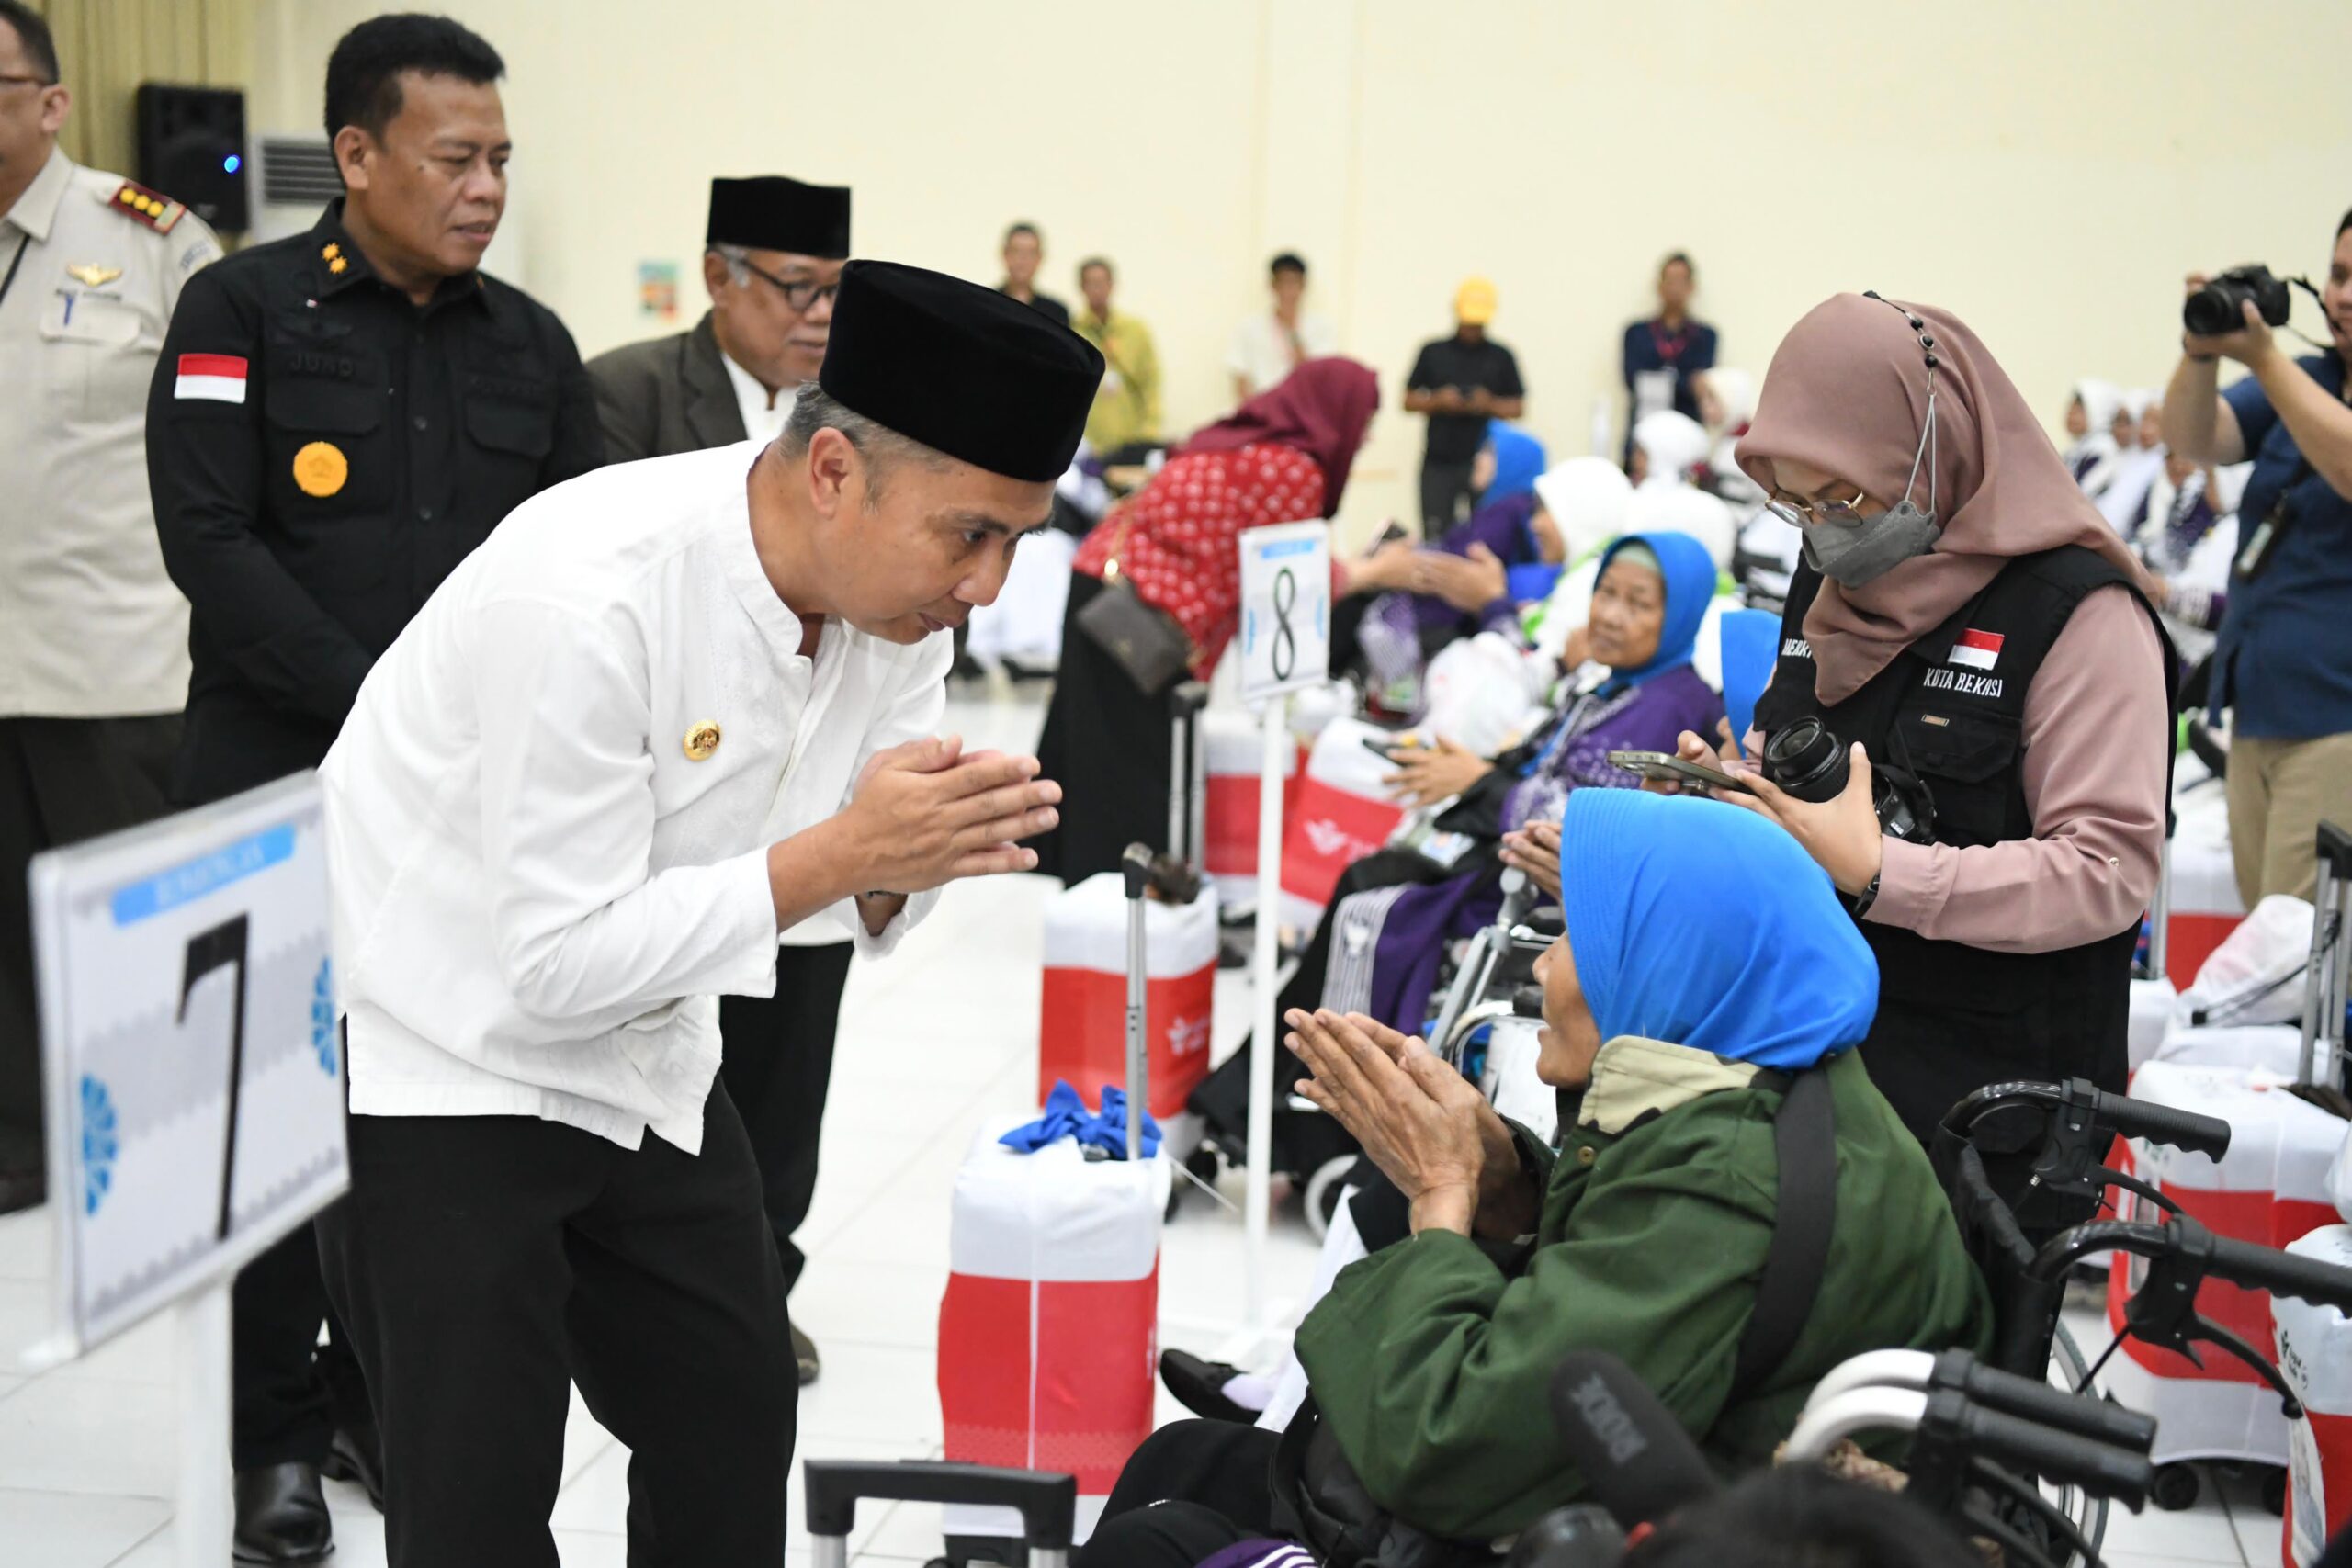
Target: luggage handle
(1135, 866)
(2327, 978)
(1187, 771)
(832, 1487)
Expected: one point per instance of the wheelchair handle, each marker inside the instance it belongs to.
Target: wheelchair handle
(2098, 1468)
(2007, 1394)
(2241, 1263)
(1048, 1502)
(2086, 1104)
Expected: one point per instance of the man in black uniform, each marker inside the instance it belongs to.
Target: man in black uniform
(1462, 382)
(336, 421)
(775, 249)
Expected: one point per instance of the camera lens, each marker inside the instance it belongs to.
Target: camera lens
(2208, 312)
(1807, 761)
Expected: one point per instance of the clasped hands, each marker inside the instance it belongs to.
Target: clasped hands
(1428, 1128)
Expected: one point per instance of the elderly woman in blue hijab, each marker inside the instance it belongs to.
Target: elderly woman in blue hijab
(1377, 949)
(1706, 968)
(1402, 605)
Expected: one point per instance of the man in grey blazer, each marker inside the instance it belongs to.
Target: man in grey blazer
(772, 259)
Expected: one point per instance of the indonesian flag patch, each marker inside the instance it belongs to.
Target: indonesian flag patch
(211, 377)
(1978, 651)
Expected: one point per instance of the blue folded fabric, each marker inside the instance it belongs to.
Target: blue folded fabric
(1531, 582)
(1066, 1117)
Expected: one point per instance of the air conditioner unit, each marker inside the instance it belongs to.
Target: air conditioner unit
(295, 178)
(296, 175)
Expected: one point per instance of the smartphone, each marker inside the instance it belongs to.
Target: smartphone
(1668, 768)
(1394, 533)
(1383, 747)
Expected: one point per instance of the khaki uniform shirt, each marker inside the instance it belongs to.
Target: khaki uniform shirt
(90, 627)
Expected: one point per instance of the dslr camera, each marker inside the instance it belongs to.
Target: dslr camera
(1806, 759)
(2217, 307)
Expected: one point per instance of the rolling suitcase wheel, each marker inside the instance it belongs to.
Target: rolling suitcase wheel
(2176, 1487)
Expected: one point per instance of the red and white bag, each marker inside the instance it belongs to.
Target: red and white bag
(2314, 1349)
(1082, 1018)
(1235, 748)
(2271, 1190)
(1343, 813)
(1048, 1332)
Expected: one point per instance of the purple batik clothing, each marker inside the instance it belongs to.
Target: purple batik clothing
(1647, 718)
(1407, 929)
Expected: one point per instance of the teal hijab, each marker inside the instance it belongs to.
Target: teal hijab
(1703, 925)
(1519, 463)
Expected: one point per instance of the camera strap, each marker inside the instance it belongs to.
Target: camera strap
(2261, 547)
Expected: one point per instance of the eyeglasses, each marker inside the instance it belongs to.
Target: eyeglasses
(1845, 513)
(799, 295)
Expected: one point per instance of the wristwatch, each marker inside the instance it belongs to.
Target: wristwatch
(1867, 897)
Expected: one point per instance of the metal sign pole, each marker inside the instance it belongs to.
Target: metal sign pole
(1257, 1197)
(204, 1526)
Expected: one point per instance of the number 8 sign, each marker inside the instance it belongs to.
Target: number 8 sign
(1285, 608)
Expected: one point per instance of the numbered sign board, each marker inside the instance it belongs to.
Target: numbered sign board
(1285, 608)
(188, 1037)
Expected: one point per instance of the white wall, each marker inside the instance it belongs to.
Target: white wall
(2048, 170)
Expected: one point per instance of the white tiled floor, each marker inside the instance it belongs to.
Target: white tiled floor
(933, 1042)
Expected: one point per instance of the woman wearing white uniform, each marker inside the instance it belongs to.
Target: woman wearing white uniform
(2125, 501)
(2090, 418)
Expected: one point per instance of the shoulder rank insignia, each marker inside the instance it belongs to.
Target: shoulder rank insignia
(154, 208)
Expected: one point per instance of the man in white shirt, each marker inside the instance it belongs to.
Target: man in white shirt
(776, 250)
(772, 259)
(93, 635)
(1266, 348)
(671, 710)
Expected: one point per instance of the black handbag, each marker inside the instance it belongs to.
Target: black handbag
(1142, 640)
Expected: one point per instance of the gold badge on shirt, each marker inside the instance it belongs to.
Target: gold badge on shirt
(320, 469)
(89, 274)
(702, 740)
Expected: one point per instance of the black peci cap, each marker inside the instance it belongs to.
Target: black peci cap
(772, 213)
(960, 368)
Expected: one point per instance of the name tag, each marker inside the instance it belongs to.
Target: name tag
(1962, 683)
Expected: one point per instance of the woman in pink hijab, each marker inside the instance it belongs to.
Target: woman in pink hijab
(1973, 636)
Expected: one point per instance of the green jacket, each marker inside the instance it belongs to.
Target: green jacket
(1432, 1361)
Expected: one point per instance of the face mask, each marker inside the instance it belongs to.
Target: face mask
(1853, 554)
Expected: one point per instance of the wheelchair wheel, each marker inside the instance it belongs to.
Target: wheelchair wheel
(2068, 1370)
(2175, 1486)
(1323, 1189)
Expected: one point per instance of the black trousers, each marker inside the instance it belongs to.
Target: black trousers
(61, 780)
(1193, 1489)
(484, 1262)
(777, 1062)
(289, 1393)
(1445, 486)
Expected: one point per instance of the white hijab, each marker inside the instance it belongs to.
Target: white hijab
(2099, 400)
(1675, 444)
(2123, 499)
(1586, 497)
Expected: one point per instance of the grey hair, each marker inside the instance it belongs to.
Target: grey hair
(882, 449)
(737, 258)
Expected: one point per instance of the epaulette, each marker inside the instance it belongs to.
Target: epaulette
(154, 208)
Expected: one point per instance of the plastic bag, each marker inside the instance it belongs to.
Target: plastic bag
(2250, 978)
(1479, 695)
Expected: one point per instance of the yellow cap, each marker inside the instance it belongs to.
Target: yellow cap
(1474, 302)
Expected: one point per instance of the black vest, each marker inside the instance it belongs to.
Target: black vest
(1951, 708)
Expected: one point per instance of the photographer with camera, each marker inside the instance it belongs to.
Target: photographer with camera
(1970, 724)
(2283, 665)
